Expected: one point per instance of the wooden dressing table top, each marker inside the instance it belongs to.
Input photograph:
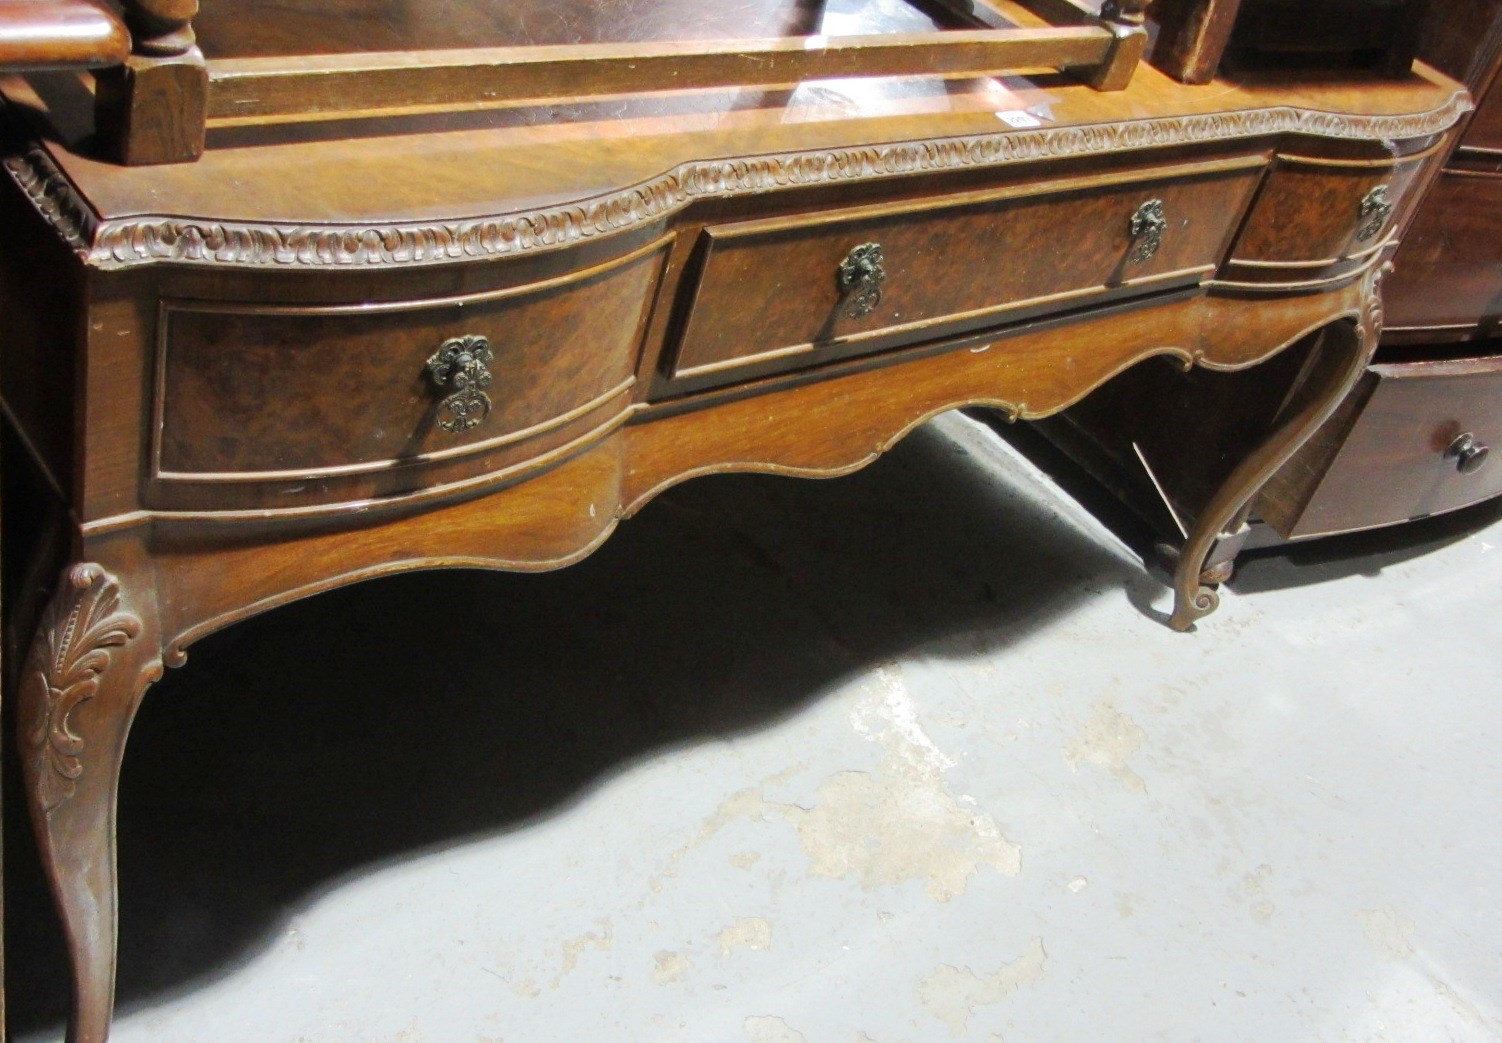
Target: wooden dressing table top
(456, 167)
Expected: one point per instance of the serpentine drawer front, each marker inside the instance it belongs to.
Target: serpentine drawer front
(1421, 445)
(325, 403)
(1316, 212)
(786, 293)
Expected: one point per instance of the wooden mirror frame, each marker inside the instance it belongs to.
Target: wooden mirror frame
(157, 105)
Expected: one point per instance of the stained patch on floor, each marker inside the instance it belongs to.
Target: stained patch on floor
(748, 932)
(600, 939)
(1389, 933)
(771, 1030)
(952, 994)
(885, 829)
(1108, 741)
(668, 967)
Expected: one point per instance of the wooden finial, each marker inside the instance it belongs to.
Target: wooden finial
(153, 108)
(161, 28)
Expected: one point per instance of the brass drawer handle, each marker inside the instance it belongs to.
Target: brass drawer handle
(1468, 453)
(1373, 213)
(1148, 225)
(861, 274)
(460, 367)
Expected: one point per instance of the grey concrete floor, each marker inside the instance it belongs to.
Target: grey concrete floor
(901, 758)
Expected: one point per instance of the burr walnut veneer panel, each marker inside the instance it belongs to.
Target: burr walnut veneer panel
(234, 403)
(769, 292)
(1316, 212)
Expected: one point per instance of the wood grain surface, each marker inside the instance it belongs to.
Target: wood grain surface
(60, 34)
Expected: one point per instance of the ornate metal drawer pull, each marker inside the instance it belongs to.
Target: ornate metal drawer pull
(460, 366)
(1148, 225)
(1468, 453)
(1373, 213)
(861, 276)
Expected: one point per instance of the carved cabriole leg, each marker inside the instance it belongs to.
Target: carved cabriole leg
(1341, 358)
(95, 654)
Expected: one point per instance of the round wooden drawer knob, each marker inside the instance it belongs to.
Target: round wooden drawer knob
(1469, 454)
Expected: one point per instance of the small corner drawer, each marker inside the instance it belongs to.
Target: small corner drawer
(782, 294)
(1419, 445)
(1317, 212)
(334, 401)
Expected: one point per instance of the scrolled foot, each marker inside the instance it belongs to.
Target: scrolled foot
(1192, 606)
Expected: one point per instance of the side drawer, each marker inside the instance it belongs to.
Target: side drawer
(1317, 212)
(783, 294)
(1400, 459)
(286, 405)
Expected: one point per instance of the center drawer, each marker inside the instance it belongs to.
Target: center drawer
(786, 293)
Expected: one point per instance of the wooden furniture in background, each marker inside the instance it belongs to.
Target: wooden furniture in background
(1447, 287)
(1414, 437)
(1319, 33)
(330, 350)
(1193, 37)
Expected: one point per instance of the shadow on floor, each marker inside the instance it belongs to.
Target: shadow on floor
(386, 720)
(1360, 553)
(1257, 571)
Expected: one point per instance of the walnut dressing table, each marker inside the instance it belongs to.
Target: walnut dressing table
(277, 324)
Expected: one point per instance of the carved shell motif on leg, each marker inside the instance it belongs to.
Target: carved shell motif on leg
(1373, 317)
(71, 651)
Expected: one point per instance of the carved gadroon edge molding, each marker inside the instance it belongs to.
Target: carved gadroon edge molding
(73, 649)
(144, 240)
